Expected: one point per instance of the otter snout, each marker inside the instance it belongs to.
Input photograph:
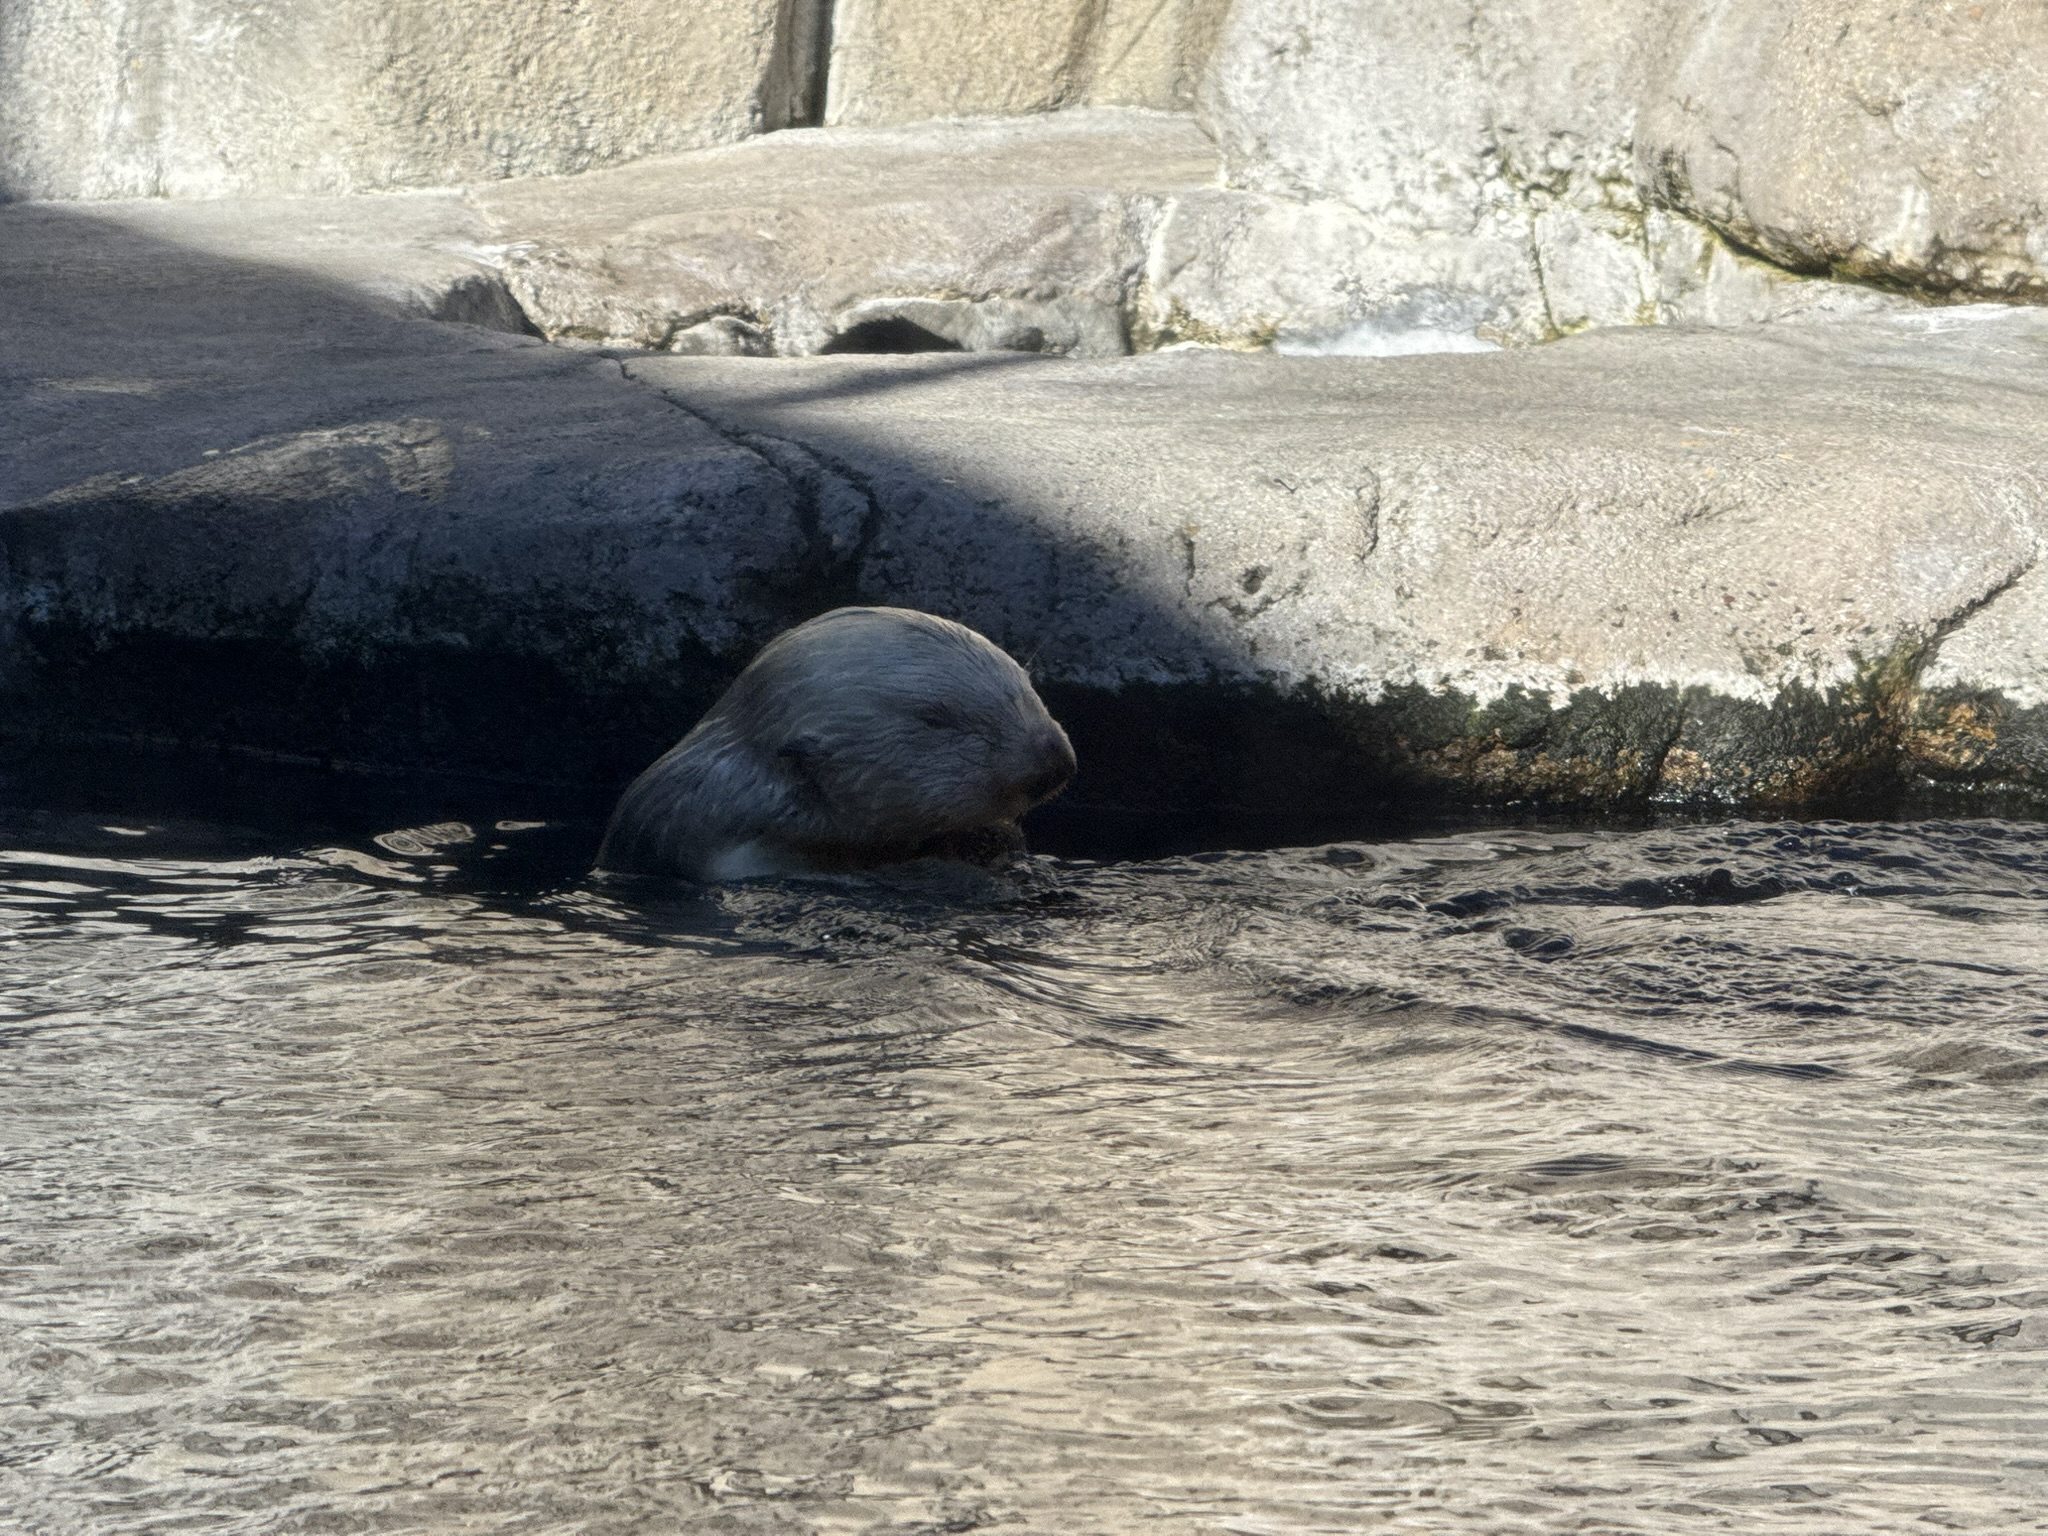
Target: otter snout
(1054, 768)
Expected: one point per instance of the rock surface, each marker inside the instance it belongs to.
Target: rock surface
(131, 98)
(243, 503)
(1082, 233)
(1018, 235)
(1904, 143)
(423, 254)
(1038, 234)
(900, 61)
(1536, 167)
(249, 505)
(1473, 142)
(1677, 565)
(1396, 177)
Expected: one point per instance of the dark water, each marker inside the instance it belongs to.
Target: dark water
(1667, 1181)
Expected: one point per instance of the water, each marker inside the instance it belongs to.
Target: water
(1665, 1181)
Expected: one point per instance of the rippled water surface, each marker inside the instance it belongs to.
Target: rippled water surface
(1672, 1181)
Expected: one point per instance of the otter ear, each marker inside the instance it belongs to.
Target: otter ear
(799, 748)
(939, 717)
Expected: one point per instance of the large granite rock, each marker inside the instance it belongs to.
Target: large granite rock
(1902, 143)
(131, 98)
(252, 505)
(1009, 234)
(900, 61)
(1474, 166)
(1082, 233)
(1758, 567)
(1532, 168)
(426, 255)
(1980, 711)
(243, 503)
(1397, 177)
(1037, 234)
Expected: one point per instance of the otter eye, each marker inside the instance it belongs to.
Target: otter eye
(940, 718)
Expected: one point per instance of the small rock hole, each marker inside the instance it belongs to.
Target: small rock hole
(482, 299)
(893, 334)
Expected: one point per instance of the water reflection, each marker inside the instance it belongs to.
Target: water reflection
(1666, 1181)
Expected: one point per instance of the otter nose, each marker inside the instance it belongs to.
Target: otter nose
(1055, 767)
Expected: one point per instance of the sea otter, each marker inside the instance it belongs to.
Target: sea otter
(866, 736)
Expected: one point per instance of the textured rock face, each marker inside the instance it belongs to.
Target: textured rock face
(1719, 566)
(1469, 171)
(1080, 233)
(1431, 118)
(1518, 167)
(134, 98)
(1906, 143)
(1761, 567)
(1488, 151)
(1014, 235)
(900, 61)
(1028, 234)
(259, 490)
(1980, 713)
(1396, 177)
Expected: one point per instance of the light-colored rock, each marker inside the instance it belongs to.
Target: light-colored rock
(1486, 151)
(1680, 565)
(134, 98)
(243, 501)
(1904, 143)
(1427, 116)
(1248, 269)
(424, 254)
(1613, 511)
(2004, 648)
(1480, 169)
(1702, 280)
(1520, 164)
(1033, 234)
(901, 61)
(1980, 713)
(1067, 233)
(1397, 176)
(1020, 234)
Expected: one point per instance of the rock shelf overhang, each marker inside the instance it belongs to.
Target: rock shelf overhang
(250, 497)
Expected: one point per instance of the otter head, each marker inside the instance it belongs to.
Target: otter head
(894, 730)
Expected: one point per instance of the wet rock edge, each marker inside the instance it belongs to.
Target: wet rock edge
(577, 711)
